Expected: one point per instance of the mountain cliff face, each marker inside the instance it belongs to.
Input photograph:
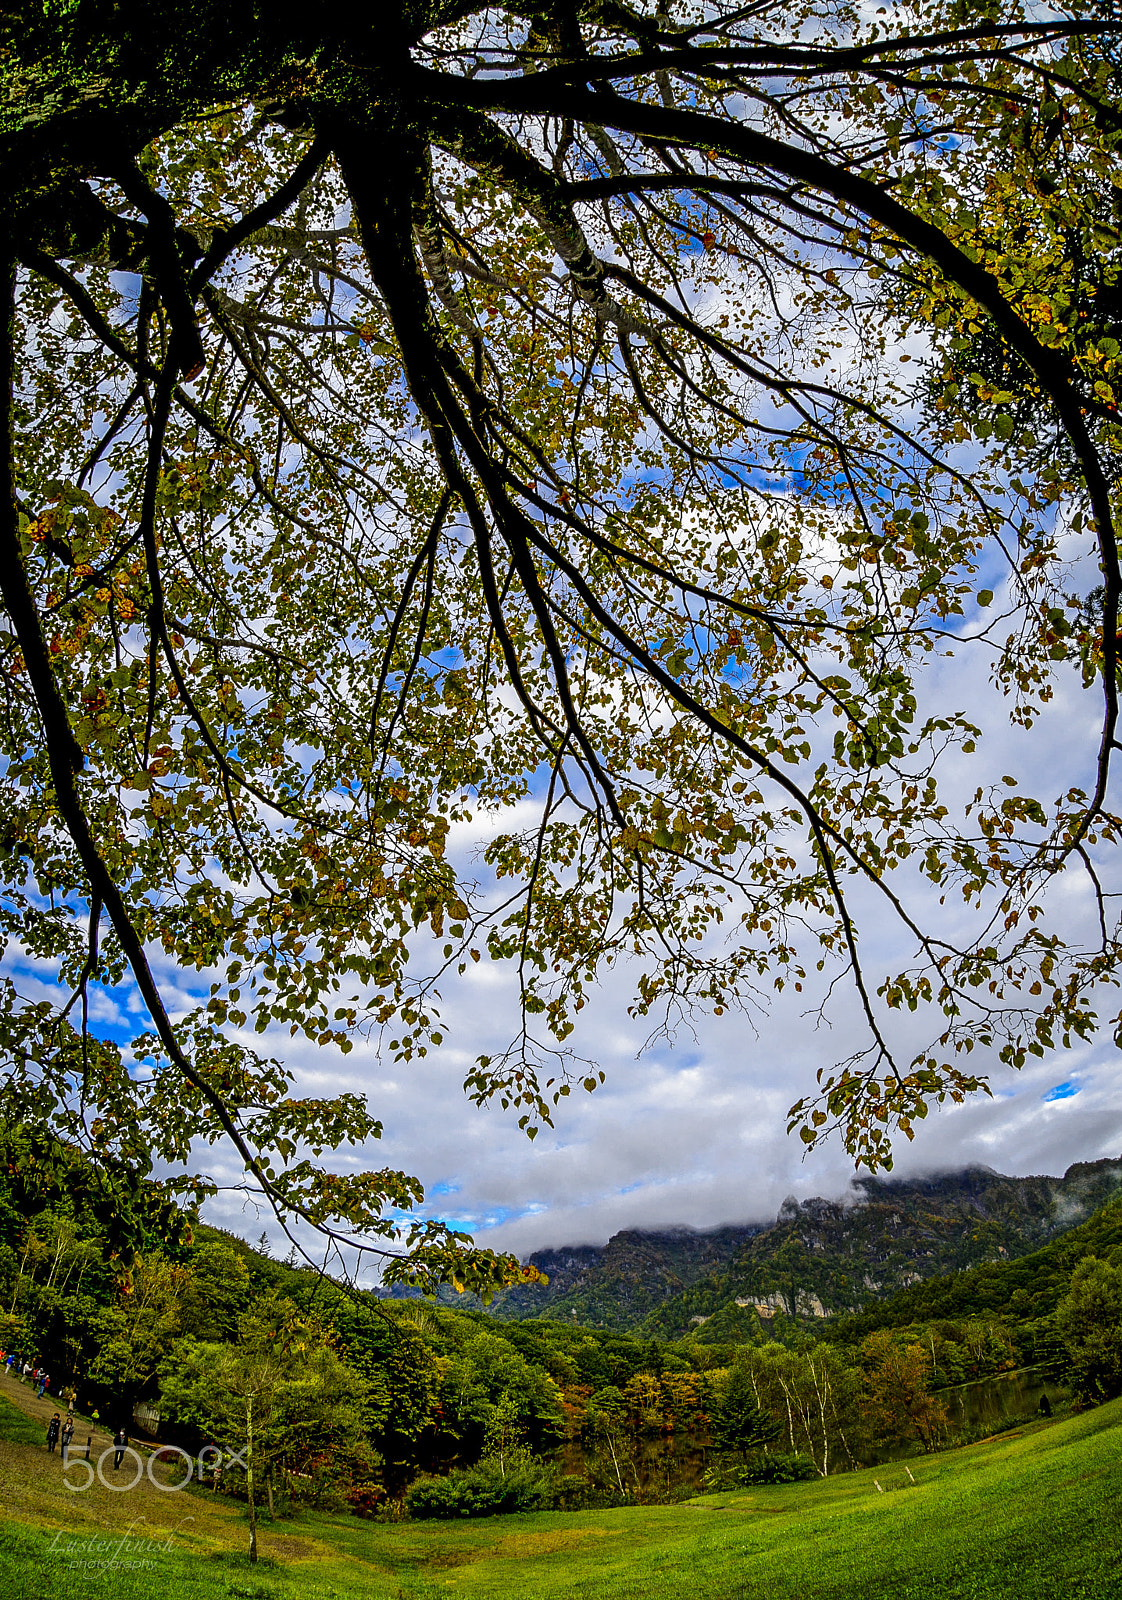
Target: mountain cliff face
(617, 1285)
(819, 1258)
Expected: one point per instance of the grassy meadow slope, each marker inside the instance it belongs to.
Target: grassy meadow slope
(1026, 1516)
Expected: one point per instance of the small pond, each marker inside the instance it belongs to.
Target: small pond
(993, 1403)
(984, 1406)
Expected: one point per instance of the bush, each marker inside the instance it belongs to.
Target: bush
(484, 1490)
(778, 1468)
(572, 1491)
(775, 1467)
(365, 1499)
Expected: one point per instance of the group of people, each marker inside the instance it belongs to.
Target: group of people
(59, 1433)
(39, 1376)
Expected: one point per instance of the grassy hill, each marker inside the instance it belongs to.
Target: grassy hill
(1027, 1516)
(819, 1258)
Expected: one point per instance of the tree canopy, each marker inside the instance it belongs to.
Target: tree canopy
(436, 415)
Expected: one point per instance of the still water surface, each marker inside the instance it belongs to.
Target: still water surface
(663, 1466)
(994, 1402)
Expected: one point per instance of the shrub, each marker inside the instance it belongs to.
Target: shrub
(484, 1490)
(778, 1468)
(365, 1499)
(573, 1491)
(774, 1467)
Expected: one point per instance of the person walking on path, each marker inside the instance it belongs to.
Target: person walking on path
(70, 1395)
(44, 1383)
(120, 1445)
(65, 1438)
(52, 1432)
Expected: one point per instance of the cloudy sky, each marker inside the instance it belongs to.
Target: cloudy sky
(691, 1134)
(694, 1132)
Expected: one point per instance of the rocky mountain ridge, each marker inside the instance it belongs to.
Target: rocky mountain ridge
(819, 1258)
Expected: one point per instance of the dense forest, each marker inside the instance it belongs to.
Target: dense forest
(374, 1403)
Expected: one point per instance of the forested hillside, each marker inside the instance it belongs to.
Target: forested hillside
(619, 1284)
(1018, 1291)
(819, 1258)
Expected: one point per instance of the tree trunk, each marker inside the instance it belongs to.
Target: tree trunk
(615, 1463)
(269, 1489)
(54, 1263)
(19, 1280)
(249, 1476)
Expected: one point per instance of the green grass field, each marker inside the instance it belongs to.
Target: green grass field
(1032, 1516)
(16, 1427)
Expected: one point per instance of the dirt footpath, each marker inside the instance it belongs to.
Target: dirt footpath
(34, 1489)
(23, 1396)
